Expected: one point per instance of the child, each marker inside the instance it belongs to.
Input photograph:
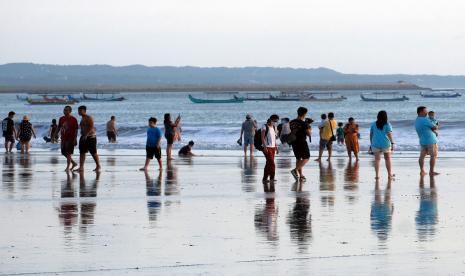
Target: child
(187, 150)
(340, 134)
(431, 115)
(152, 146)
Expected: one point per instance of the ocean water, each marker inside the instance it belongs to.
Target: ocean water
(217, 126)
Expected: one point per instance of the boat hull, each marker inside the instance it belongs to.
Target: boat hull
(211, 101)
(401, 99)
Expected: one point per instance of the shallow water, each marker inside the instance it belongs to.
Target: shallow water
(217, 126)
(213, 214)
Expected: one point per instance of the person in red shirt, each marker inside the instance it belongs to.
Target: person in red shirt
(68, 129)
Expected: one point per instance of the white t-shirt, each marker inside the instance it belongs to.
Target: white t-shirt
(270, 138)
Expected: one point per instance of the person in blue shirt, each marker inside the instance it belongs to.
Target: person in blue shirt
(428, 140)
(152, 146)
(381, 142)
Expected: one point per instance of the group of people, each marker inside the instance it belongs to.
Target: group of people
(295, 133)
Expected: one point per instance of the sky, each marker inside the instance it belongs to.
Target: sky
(359, 36)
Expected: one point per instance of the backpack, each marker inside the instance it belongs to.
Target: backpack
(4, 126)
(257, 139)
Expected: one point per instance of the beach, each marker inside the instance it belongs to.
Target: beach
(210, 214)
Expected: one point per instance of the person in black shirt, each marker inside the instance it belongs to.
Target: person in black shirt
(187, 149)
(9, 131)
(301, 130)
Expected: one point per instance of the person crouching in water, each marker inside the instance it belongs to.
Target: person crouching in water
(270, 147)
(152, 146)
(187, 149)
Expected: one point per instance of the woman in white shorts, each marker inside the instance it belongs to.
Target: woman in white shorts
(381, 142)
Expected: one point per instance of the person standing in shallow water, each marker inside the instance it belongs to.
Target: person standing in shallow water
(25, 133)
(270, 148)
(428, 140)
(68, 129)
(301, 130)
(9, 131)
(170, 132)
(88, 140)
(249, 126)
(381, 142)
(327, 137)
(152, 146)
(351, 138)
(111, 130)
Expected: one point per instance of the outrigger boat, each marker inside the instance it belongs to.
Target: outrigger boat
(325, 97)
(441, 94)
(382, 97)
(307, 97)
(257, 96)
(51, 101)
(99, 97)
(234, 99)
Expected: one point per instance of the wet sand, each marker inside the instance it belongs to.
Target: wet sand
(212, 214)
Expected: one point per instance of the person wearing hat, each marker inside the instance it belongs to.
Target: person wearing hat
(9, 131)
(25, 133)
(248, 129)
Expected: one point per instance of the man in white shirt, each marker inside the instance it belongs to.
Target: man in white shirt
(270, 148)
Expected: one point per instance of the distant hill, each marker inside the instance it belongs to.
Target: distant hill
(36, 76)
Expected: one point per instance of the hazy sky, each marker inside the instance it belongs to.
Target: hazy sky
(359, 36)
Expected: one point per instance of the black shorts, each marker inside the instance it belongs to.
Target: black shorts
(111, 136)
(67, 148)
(328, 144)
(88, 144)
(301, 150)
(153, 151)
(9, 138)
(169, 139)
(25, 139)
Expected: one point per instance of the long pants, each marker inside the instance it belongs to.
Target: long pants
(270, 167)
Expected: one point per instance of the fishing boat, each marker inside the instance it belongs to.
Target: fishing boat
(324, 97)
(257, 96)
(383, 97)
(100, 97)
(22, 98)
(234, 99)
(286, 96)
(50, 101)
(441, 94)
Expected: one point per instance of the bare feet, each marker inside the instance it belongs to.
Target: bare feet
(73, 166)
(79, 170)
(97, 169)
(144, 169)
(422, 173)
(391, 176)
(318, 160)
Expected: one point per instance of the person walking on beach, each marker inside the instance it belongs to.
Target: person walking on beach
(152, 146)
(68, 129)
(187, 149)
(301, 130)
(52, 133)
(428, 140)
(381, 142)
(269, 134)
(111, 130)
(25, 133)
(248, 129)
(170, 132)
(351, 138)
(9, 131)
(327, 137)
(340, 134)
(88, 140)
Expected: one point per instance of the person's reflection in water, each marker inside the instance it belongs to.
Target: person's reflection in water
(427, 215)
(8, 175)
(381, 212)
(327, 184)
(154, 189)
(300, 220)
(25, 173)
(351, 179)
(111, 161)
(171, 180)
(87, 195)
(249, 174)
(266, 216)
(68, 210)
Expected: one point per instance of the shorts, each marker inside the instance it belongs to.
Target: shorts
(301, 150)
(378, 150)
(341, 140)
(88, 144)
(153, 151)
(169, 139)
(25, 139)
(67, 148)
(248, 140)
(111, 136)
(328, 144)
(431, 150)
(9, 138)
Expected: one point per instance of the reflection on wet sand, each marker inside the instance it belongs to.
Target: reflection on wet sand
(351, 179)
(25, 172)
(73, 206)
(249, 174)
(266, 216)
(8, 175)
(153, 189)
(381, 212)
(327, 184)
(427, 216)
(299, 219)
(111, 161)
(171, 181)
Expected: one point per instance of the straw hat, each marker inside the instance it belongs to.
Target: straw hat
(25, 118)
